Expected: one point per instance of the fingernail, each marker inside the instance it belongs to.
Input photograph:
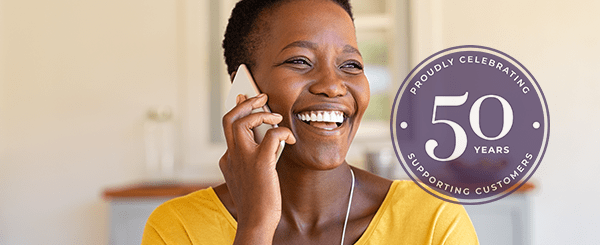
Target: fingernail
(277, 115)
(260, 96)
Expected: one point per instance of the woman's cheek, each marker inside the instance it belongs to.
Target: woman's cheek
(362, 95)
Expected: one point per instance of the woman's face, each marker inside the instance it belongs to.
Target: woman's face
(309, 64)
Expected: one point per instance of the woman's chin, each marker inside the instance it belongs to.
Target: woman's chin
(324, 158)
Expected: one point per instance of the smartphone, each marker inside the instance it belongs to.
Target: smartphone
(244, 84)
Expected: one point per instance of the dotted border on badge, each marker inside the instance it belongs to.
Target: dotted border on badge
(538, 90)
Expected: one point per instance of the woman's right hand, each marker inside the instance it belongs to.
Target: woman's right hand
(249, 169)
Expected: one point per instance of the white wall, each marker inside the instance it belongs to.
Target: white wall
(559, 42)
(76, 79)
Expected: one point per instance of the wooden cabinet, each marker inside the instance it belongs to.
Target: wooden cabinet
(128, 217)
(506, 221)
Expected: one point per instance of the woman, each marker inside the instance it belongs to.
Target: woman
(303, 56)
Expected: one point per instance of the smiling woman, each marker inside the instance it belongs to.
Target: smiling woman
(303, 56)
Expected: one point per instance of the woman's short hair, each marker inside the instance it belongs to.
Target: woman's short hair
(244, 30)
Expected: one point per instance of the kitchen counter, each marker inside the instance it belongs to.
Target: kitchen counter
(165, 190)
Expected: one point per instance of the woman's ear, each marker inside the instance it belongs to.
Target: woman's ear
(232, 76)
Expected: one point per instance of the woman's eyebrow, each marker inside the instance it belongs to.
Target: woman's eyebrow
(350, 49)
(300, 44)
(311, 45)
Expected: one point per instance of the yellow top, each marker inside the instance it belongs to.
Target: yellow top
(408, 215)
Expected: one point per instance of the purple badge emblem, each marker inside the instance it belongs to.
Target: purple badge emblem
(470, 124)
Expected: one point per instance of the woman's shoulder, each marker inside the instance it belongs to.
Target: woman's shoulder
(201, 200)
(372, 188)
(406, 199)
(195, 215)
(414, 216)
(408, 193)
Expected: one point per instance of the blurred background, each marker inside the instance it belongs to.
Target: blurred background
(106, 94)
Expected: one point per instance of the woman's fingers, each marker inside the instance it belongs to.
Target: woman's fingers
(239, 122)
(243, 108)
(239, 98)
(268, 148)
(242, 128)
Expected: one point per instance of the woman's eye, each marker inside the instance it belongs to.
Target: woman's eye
(352, 66)
(298, 61)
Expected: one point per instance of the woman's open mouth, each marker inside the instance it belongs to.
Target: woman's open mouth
(328, 120)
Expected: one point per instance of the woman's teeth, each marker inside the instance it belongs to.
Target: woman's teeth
(322, 116)
(323, 119)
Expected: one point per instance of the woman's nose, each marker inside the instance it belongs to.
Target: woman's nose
(329, 83)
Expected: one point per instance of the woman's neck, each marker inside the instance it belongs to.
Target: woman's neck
(313, 197)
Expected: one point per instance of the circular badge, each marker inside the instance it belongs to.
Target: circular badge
(470, 124)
